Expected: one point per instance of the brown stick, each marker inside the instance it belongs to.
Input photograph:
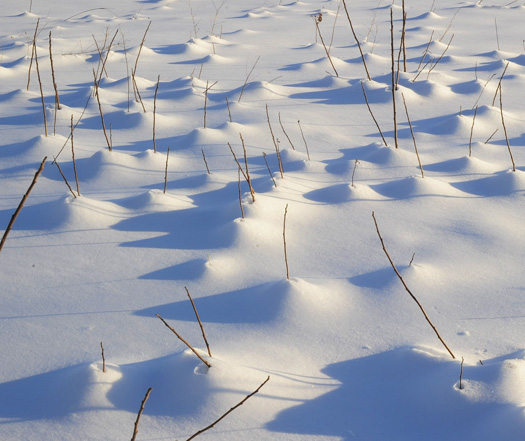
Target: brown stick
(106, 57)
(357, 41)
(284, 243)
(103, 358)
(403, 38)
(136, 430)
(205, 162)
(284, 131)
(137, 92)
(166, 171)
(154, 114)
(229, 411)
(425, 52)
(41, 90)
(205, 102)
(304, 139)
(324, 45)
(57, 100)
(140, 49)
(461, 374)
(32, 54)
(65, 180)
(184, 341)
(498, 87)
(199, 320)
(246, 80)
(246, 166)
(269, 171)
(73, 156)
(228, 106)
(408, 290)
(393, 77)
(505, 131)
(238, 163)
(353, 172)
(413, 137)
(275, 144)
(491, 136)
(21, 204)
(100, 110)
(100, 53)
(373, 117)
(442, 55)
(240, 192)
(471, 131)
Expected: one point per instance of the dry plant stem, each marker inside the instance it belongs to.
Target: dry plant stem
(41, 90)
(353, 172)
(412, 259)
(55, 119)
(103, 358)
(33, 46)
(127, 65)
(140, 49)
(461, 374)
(284, 243)
(304, 139)
(425, 52)
(65, 180)
(199, 320)
(442, 55)
(100, 110)
(483, 90)
(269, 171)
(240, 192)
(205, 103)
(205, 162)
(57, 100)
(471, 132)
(393, 77)
(333, 27)
(248, 179)
(497, 34)
(229, 411)
(491, 136)
(184, 341)
(498, 88)
(284, 131)
(21, 204)
(373, 117)
(404, 38)
(242, 171)
(73, 156)
(155, 113)
(229, 111)
(137, 92)
(505, 131)
(100, 52)
(106, 57)
(413, 137)
(324, 46)
(247, 77)
(275, 144)
(166, 171)
(408, 290)
(136, 429)
(420, 71)
(450, 24)
(357, 41)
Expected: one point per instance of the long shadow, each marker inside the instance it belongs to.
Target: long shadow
(402, 395)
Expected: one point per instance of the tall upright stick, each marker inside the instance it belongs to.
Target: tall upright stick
(57, 100)
(408, 290)
(40, 85)
(21, 204)
(373, 117)
(357, 41)
(73, 156)
(136, 429)
(413, 137)
(155, 113)
(505, 130)
(32, 54)
(393, 77)
(100, 111)
(166, 171)
(284, 243)
(199, 320)
(275, 143)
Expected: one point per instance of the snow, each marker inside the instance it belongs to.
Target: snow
(348, 352)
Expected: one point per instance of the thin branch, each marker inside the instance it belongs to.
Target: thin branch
(393, 78)
(41, 90)
(356, 40)
(505, 131)
(413, 137)
(373, 117)
(247, 77)
(471, 132)
(155, 113)
(73, 156)
(229, 411)
(57, 100)
(166, 171)
(199, 320)
(275, 144)
(304, 139)
(316, 21)
(136, 430)
(269, 171)
(284, 243)
(408, 290)
(205, 162)
(103, 358)
(65, 180)
(284, 131)
(184, 341)
(32, 54)
(97, 96)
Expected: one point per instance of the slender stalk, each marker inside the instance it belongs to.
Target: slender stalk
(425, 52)
(103, 358)
(498, 87)
(21, 204)
(353, 172)
(304, 139)
(65, 180)
(316, 21)
(97, 96)
(373, 117)
(461, 374)
(229, 112)
(403, 38)
(155, 113)
(240, 192)
(199, 320)
(205, 162)
(142, 405)
(413, 137)
(205, 102)
(242, 171)
(284, 131)
(106, 57)
(247, 77)
(442, 55)
(284, 243)
(73, 156)
(248, 179)
(393, 78)
(140, 49)
(408, 290)
(32, 54)
(472, 131)
(505, 131)
(166, 171)
(269, 171)
(184, 341)
(229, 411)
(357, 41)
(41, 90)
(491, 136)
(57, 100)
(275, 144)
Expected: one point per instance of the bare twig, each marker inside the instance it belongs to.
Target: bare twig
(229, 411)
(73, 156)
(413, 137)
(136, 429)
(140, 49)
(461, 374)
(229, 112)
(373, 117)
(284, 243)
(199, 320)
(498, 87)
(505, 131)
(243, 172)
(356, 40)
(106, 57)
(32, 54)
(65, 180)
(240, 192)
(41, 90)
(275, 144)
(393, 77)
(284, 131)
(491, 136)
(248, 179)
(166, 171)
(269, 171)
(184, 341)
(205, 162)
(155, 113)
(103, 358)
(353, 172)
(57, 100)
(425, 52)
(21, 204)
(247, 77)
(316, 21)
(471, 132)
(483, 90)
(408, 290)
(304, 139)
(97, 96)
(442, 55)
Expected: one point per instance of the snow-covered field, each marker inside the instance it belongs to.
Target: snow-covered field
(349, 353)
